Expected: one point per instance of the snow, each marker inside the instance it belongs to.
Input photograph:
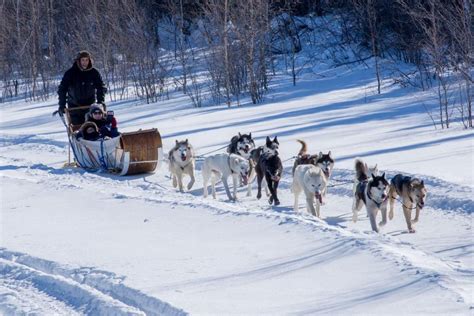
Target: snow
(74, 242)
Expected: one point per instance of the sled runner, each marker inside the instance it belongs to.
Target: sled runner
(127, 154)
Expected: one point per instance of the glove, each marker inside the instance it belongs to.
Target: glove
(60, 110)
(110, 115)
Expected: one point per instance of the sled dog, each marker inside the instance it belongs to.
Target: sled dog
(222, 166)
(323, 161)
(241, 144)
(268, 150)
(269, 168)
(181, 162)
(372, 192)
(312, 181)
(365, 176)
(413, 192)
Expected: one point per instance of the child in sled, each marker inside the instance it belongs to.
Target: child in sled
(88, 131)
(106, 122)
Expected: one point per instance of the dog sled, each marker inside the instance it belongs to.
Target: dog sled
(127, 154)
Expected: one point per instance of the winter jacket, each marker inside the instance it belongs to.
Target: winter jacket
(107, 126)
(81, 87)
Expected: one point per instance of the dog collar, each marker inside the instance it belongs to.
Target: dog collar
(376, 203)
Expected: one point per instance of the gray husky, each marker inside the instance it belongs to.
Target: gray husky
(371, 191)
(412, 191)
(181, 162)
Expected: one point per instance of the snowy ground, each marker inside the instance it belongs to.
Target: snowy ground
(76, 242)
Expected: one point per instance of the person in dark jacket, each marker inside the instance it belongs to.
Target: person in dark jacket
(106, 122)
(81, 85)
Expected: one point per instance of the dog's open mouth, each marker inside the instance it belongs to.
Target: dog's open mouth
(183, 158)
(245, 178)
(318, 196)
(246, 150)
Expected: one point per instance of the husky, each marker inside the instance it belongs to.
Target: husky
(270, 149)
(412, 191)
(312, 181)
(241, 144)
(182, 161)
(323, 161)
(373, 192)
(222, 166)
(364, 177)
(270, 168)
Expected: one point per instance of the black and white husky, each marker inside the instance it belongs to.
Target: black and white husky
(222, 166)
(412, 192)
(269, 168)
(182, 161)
(372, 192)
(268, 150)
(241, 144)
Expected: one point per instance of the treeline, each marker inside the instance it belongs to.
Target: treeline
(223, 50)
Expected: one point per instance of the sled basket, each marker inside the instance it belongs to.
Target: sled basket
(141, 151)
(130, 153)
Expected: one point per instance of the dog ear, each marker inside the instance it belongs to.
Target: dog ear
(320, 154)
(186, 141)
(276, 140)
(329, 154)
(177, 142)
(268, 141)
(373, 177)
(383, 175)
(422, 182)
(250, 135)
(240, 135)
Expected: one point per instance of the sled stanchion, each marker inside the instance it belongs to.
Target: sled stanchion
(126, 163)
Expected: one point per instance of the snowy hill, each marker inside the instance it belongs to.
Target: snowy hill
(75, 242)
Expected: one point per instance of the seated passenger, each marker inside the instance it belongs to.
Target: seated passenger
(107, 124)
(88, 131)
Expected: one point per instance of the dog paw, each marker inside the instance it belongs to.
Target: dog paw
(259, 195)
(277, 202)
(190, 186)
(390, 215)
(411, 231)
(354, 218)
(382, 223)
(270, 200)
(413, 221)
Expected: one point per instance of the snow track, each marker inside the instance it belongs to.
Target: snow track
(85, 290)
(103, 292)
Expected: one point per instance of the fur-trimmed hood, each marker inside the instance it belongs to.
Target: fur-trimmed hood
(80, 55)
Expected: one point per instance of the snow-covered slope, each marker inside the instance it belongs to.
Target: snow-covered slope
(77, 242)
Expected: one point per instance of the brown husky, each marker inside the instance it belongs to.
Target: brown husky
(412, 191)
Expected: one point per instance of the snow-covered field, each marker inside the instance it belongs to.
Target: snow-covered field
(74, 242)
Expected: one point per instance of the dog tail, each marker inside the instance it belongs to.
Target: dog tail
(304, 147)
(361, 170)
